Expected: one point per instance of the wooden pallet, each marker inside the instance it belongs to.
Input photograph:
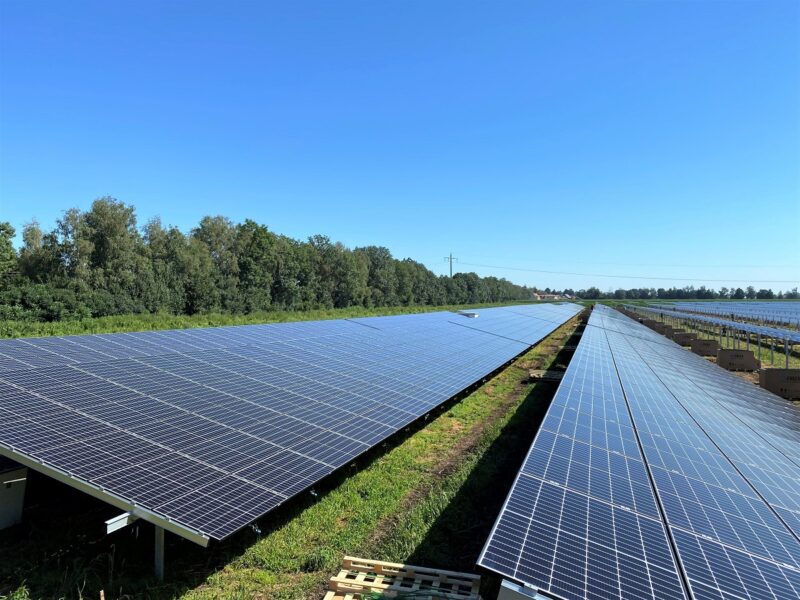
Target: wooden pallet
(540, 375)
(360, 578)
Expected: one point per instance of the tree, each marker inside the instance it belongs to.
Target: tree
(255, 250)
(350, 272)
(381, 275)
(218, 237)
(751, 292)
(198, 271)
(35, 262)
(114, 255)
(98, 262)
(165, 249)
(592, 293)
(8, 255)
(738, 294)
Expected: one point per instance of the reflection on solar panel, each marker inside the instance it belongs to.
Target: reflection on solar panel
(770, 332)
(654, 467)
(202, 431)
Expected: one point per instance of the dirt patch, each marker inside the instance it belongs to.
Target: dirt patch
(456, 425)
(751, 376)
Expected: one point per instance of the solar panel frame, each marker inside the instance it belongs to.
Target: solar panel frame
(711, 460)
(643, 569)
(757, 535)
(202, 432)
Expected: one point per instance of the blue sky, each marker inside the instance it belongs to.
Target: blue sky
(642, 139)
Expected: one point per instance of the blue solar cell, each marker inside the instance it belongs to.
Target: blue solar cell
(720, 457)
(597, 499)
(212, 428)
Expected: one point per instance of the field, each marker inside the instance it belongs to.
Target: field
(146, 322)
(429, 497)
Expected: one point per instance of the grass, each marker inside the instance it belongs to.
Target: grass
(146, 322)
(21, 593)
(428, 497)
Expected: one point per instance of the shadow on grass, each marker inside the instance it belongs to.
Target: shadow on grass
(456, 538)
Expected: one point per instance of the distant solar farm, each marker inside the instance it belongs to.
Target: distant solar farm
(654, 472)
(774, 313)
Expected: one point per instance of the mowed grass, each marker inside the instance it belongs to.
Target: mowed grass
(401, 507)
(429, 497)
(147, 322)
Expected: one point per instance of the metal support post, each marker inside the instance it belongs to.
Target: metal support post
(159, 553)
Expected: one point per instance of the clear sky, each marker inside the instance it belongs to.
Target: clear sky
(643, 139)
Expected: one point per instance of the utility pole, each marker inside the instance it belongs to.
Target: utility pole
(450, 259)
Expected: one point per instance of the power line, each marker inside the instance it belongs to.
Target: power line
(695, 279)
(667, 266)
(450, 258)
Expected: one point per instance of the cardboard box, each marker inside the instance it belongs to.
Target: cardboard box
(705, 347)
(783, 382)
(737, 360)
(684, 338)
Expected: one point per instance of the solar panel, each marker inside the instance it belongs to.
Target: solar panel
(786, 312)
(770, 332)
(204, 431)
(719, 458)
(581, 520)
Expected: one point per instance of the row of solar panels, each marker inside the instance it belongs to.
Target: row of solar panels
(777, 312)
(655, 474)
(203, 431)
(776, 333)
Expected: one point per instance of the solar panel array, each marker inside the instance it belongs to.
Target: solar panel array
(209, 429)
(786, 312)
(655, 474)
(770, 332)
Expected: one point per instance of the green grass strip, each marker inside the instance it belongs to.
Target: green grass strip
(428, 499)
(296, 560)
(146, 322)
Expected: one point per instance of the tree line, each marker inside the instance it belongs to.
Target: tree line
(100, 262)
(685, 293)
